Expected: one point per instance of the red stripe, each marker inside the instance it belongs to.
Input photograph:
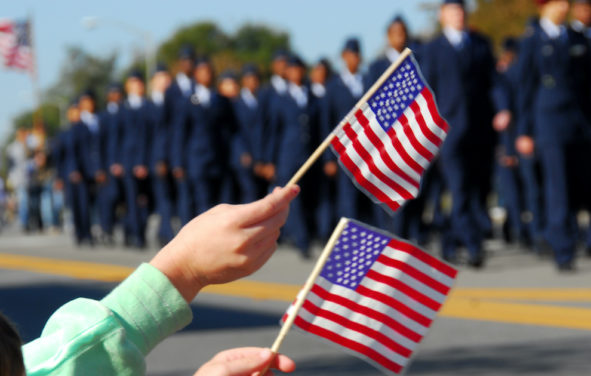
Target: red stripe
(395, 304)
(405, 289)
(424, 257)
(415, 273)
(356, 327)
(414, 106)
(352, 345)
(441, 123)
(369, 161)
(413, 139)
(367, 311)
(379, 145)
(360, 179)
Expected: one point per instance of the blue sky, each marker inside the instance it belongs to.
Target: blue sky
(317, 28)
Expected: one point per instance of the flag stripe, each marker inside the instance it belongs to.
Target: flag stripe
(429, 101)
(364, 330)
(424, 257)
(377, 168)
(377, 129)
(406, 128)
(368, 301)
(416, 274)
(407, 290)
(420, 130)
(342, 306)
(397, 132)
(400, 307)
(427, 126)
(385, 151)
(348, 341)
(418, 264)
(354, 169)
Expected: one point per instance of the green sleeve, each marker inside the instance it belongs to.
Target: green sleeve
(110, 337)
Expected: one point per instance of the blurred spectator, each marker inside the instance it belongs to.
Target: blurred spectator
(18, 176)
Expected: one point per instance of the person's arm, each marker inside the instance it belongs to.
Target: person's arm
(112, 336)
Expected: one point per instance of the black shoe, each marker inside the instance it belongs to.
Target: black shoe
(477, 261)
(566, 267)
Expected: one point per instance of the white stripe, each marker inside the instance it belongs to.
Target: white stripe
(407, 280)
(396, 158)
(353, 336)
(407, 258)
(374, 304)
(376, 127)
(362, 319)
(422, 102)
(379, 162)
(364, 168)
(416, 129)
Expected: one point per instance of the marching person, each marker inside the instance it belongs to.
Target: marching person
(162, 185)
(292, 122)
(460, 69)
(555, 120)
(136, 157)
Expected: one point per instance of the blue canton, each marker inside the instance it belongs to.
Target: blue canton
(396, 93)
(353, 255)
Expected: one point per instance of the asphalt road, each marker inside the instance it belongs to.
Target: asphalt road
(518, 316)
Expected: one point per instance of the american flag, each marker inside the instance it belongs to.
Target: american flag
(376, 296)
(15, 45)
(388, 142)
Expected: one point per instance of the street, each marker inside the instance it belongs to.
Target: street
(516, 316)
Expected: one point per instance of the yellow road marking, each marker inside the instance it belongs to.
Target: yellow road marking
(486, 304)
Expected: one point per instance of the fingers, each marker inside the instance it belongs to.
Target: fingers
(268, 227)
(265, 208)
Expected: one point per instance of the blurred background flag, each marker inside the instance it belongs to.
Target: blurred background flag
(376, 296)
(16, 47)
(388, 140)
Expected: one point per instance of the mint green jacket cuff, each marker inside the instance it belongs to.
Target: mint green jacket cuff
(110, 337)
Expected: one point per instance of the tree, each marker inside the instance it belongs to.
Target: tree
(499, 19)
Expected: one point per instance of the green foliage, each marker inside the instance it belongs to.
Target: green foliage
(48, 113)
(499, 19)
(250, 43)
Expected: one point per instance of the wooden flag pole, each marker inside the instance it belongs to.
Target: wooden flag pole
(293, 313)
(326, 143)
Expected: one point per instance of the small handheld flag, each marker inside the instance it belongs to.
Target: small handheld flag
(375, 295)
(389, 138)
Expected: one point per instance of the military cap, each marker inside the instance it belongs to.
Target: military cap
(353, 45)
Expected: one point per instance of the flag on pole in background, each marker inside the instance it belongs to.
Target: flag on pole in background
(386, 145)
(376, 296)
(16, 48)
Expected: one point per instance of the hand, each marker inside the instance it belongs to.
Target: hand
(246, 160)
(259, 169)
(331, 168)
(58, 185)
(75, 177)
(509, 161)
(140, 172)
(502, 120)
(245, 362)
(525, 145)
(161, 169)
(178, 173)
(269, 171)
(100, 177)
(225, 243)
(116, 170)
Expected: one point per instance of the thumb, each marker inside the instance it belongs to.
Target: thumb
(247, 365)
(265, 208)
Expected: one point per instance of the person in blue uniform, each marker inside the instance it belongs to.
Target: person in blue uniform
(342, 93)
(176, 101)
(555, 119)
(460, 68)
(581, 17)
(508, 174)
(324, 206)
(136, 156)
(247, 141)
(291, 124)
(162, 185)
(270, 97)
(77, 193)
